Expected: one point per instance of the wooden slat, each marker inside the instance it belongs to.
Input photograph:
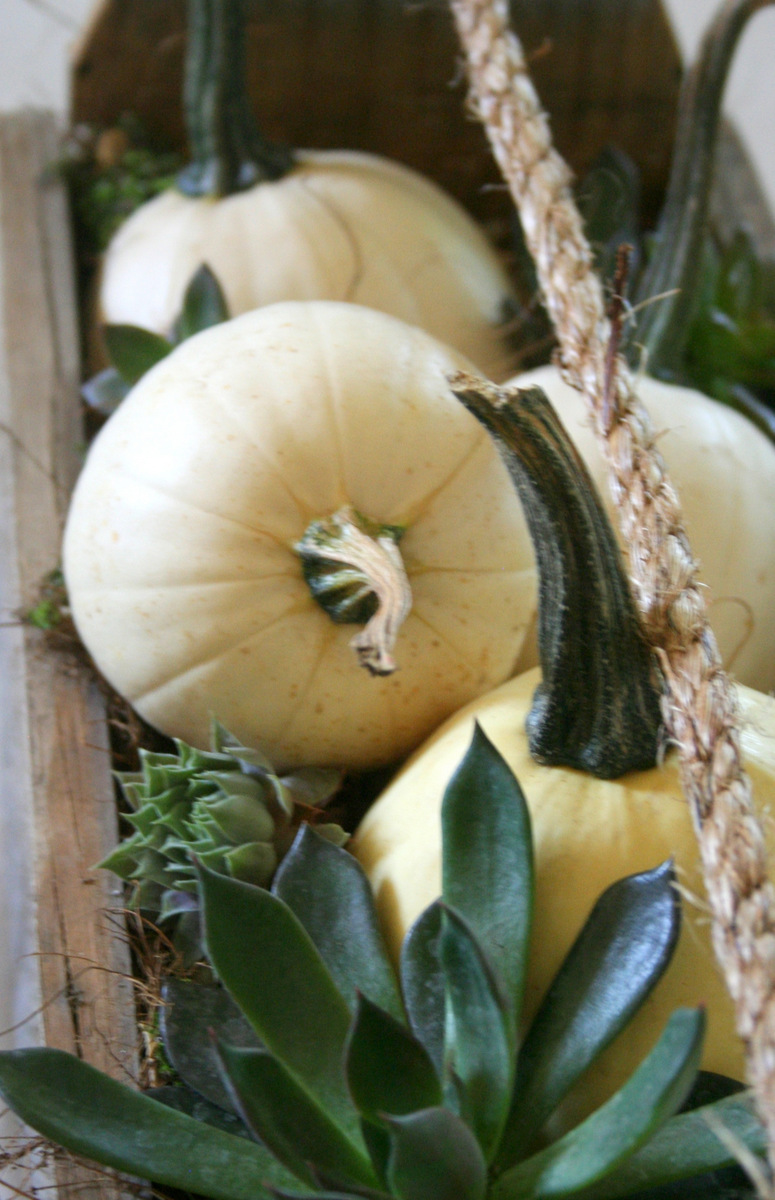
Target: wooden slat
(55, 756)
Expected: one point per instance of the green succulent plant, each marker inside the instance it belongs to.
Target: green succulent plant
(227, 806)
(356, 1085)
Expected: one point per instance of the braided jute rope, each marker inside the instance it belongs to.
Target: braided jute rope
(699, 705)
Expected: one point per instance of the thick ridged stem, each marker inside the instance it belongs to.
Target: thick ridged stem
(699, 706)
(227, 150)
(597, 705)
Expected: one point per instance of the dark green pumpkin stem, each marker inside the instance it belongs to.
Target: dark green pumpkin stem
(674, 270)
(228, 153)
(597, 706)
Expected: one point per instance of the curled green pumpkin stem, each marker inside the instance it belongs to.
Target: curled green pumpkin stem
(672, 276)
(597, 706)
(354, 570)
(228, 152)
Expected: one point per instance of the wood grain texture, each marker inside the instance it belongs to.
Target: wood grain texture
(53, 713)
(383, 75)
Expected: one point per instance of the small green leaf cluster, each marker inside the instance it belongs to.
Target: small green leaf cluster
(227, 806)
(104, 193)
(730, 350)
(133, 350)
(51, 607)
(363, 1086)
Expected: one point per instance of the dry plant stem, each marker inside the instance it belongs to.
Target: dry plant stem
(699, 705)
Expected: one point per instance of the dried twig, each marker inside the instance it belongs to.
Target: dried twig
(699, 704)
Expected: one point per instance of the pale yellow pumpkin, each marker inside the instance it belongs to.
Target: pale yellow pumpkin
(587, 834)
(723, 468)
(179, 548)
(338, 226)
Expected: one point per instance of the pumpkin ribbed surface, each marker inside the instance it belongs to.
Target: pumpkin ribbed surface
(338, 226)
(179, 549)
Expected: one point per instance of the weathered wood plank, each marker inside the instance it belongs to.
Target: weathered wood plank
(57, 810)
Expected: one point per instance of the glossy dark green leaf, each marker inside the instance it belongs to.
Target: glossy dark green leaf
(288, 1121)
(434, 1156)
(184, 1099)
(377, 1141)
(105, 391)
(204, 304)
(265, 958)
(487, 863)
(478, 1057)
(329, 893)
(388, 1070)
(687, 1145)
(133, 351)
(422, 980)
(619, 956)
(188, 1014)
(282, 1194)
(83, 1110)
(620, 1126)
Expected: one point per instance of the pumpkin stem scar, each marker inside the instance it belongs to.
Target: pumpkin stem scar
(355, 572)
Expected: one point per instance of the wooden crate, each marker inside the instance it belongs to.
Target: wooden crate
(61, 927)
(381, 75)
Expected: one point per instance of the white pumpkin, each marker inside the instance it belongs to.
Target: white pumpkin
(179, 548)
(723, 468)
(338, 226)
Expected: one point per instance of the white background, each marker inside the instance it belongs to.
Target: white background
(37, 35)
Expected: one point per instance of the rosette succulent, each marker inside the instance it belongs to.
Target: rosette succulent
(420, 1085)
(226, 806)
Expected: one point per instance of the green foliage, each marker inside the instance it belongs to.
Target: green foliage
(226, 805)
(51, 607)
(730, 349)
(105, 189)
(133, 350)
(350, 1100)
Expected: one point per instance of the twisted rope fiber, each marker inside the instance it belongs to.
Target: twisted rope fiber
(699, 705)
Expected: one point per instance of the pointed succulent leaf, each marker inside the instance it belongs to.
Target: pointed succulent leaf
(252, 938)
(314, 786)
(620, 1126)
(287, 1120)
(88, 1113)
(487, 872)
(479, 1057)
(105, 391)
(324, 1192)
(329, 893)
(434, 1156)
(281, 1194)
(133, 350)
(688, 1145)
(253, 862)
(388, 1070)
(189, 1012)
(377, 1141)
(616, 960)
(183, 1099)
(204, 304)
(422, 979)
